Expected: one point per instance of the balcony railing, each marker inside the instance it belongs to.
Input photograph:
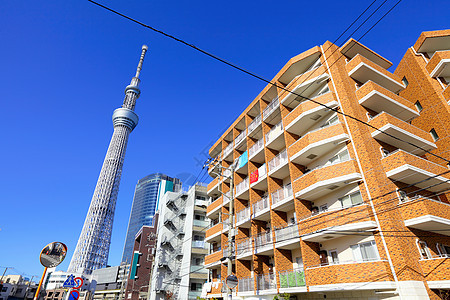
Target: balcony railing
(266, 282)
(271, 107)
(290, 279)
(274, 132)
(282, 193)
(256, 147)
(201, 223)
(240, 137)
(263, 239)
(246, 284)
(243, 247)
(261, 205)
(278, 160)
(243, 215)
(255, 123)
(286, 233)
(228, 149)
(240, 187)
(198, 244)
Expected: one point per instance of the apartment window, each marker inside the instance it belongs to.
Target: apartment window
(365, 251)
(200, 217)
(423, 249)
(444, 250)
(342, 156)
(324, 90)
(196, 286)
(418, 106)
(384, 152)
(405, 81)
(333, 120)
(434, 134)
(323, 207)
(351, 199)
(334, 256)
(402, 195)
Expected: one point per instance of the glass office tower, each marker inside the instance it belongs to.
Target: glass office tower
(147, 193)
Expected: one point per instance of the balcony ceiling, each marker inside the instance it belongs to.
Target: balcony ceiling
(284, 205)
(308, 118)
(321, 188)
(339, 231)
(363, 73)
(353, 48)
(261, 184)
(298, 68)
(281, 172)
(430, 223)
(442, 69)
(412, 175)
(304, 89)
(432, 44)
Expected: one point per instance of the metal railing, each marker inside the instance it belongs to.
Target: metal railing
(243, 247)
(201, 223)
(278, 160)
(255, 123)
(286, 233)
(282, 193)
(262, 204)
(198, 244)
(293, 278)
(242, 186)
(256, 147)
(240, 137)
(227, 149)
(271, 107)
(263, 239)
(246, 284)
(243, 215)
(274, 132)
(266, 282)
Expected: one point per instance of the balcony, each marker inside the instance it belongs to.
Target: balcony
(243, 218)
(439, 64)
(213, 233)
(242, 189)
(307, 113)
(435, 271)
(199, 247)
(324, 179)
(304, 85)
(316, 143)
(213, 259)
(379, 99)
(362, 70)
(336, 223)
(213, 209)
(261, 209)
(227, 151)
(377, 273)
(254, 124)
(283, 198)
(246, 285)
(266, 283)
(275, 138)
(258, 179)
(410, 169)
(273, 105)
(240, 138)
(198, 272)
(292, 281)
(263, 243)
(426, 214)
(244, 248)
(256, 152)
(278, 166)
(406, 132)
(213, 187)
(287, 237)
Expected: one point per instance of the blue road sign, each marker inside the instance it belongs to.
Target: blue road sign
(70, 282)
(74, 295)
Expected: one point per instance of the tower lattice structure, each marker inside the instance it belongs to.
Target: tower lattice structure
(92, 249)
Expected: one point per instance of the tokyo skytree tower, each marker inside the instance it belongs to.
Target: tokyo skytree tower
(92, 249)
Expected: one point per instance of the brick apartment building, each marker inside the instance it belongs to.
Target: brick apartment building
(330, 207)
(142, 262)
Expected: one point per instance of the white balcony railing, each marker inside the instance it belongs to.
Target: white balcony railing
(243, 247)
(266, 282)
(261, 205)
(274, 132)
(271, 107)
(255, 123)
(240, 187)
(256, 147)
(278, 160)
(228, 149)
(246, 284)
(243, 215)
(263, 239)
(286, 233)
(282, 193)
(240, 137)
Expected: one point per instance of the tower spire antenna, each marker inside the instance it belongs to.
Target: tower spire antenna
(141, 60)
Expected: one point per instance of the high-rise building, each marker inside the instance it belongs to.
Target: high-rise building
(178, 268)
(92, 248)
(340, 179)
(146, 198)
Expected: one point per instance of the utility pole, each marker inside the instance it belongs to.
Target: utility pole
(6, 268)
(230, 229)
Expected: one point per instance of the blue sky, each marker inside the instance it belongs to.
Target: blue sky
(65, 64)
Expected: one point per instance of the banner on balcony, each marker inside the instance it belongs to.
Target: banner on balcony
(243, 159)
(254, 176)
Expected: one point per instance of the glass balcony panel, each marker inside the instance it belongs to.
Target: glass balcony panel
(266, 282)
(271, 108)
(293, 278)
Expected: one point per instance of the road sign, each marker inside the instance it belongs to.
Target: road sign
(70, 282)
(78, 283)
(74, 295)
(231, 281)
